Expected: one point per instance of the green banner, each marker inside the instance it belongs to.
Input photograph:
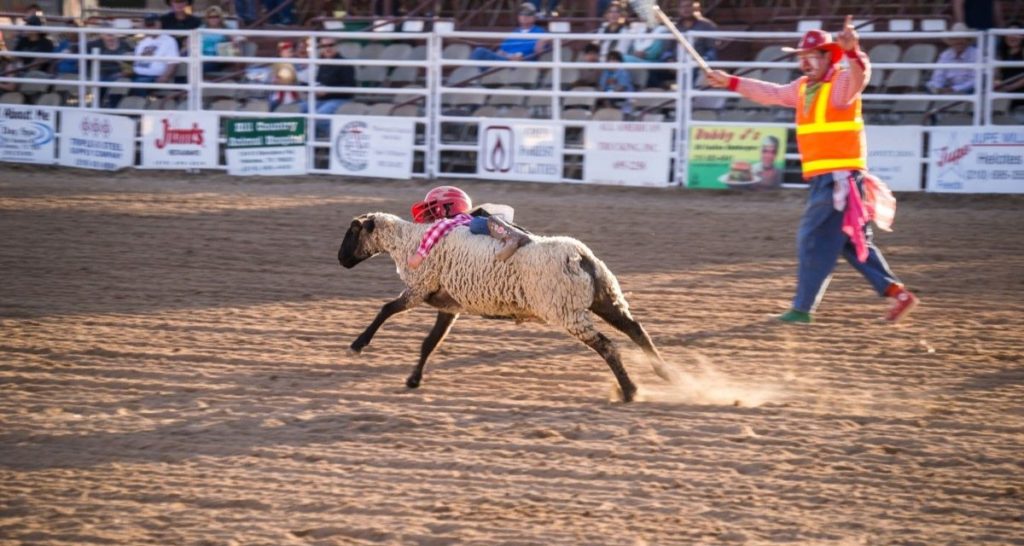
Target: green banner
(736, 157)
(266, 132)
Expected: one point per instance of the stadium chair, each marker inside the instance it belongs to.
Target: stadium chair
(506, 100)
(168, 103)
(50, 99)
(885, 53)
(653, 117)
(650, 102)
(456, 51)
(910, 112)
(256, 105)
(380, 109)
(395, 52)
(920, 53)
(463, 73)
(525, 78)
(608, 114)
(132, 102)
(223, 105)
(808, 24)
(580, 102)
(461, 104)
(406, 110)
(519, 112)
(933, 25)
(350, 50)
(569, 77)
(901, 25)
(290, 108)
(540, 107)
(352, 109)
(704, 115)
(904, 80)
(12, 97)
(640, 77)
(954, 118)
(777, 75)
(576, 114)
(371, 51)
(487, 111)
(403, 75)
(497, 78)
(769, 53)
(418, 53)
(371, 76)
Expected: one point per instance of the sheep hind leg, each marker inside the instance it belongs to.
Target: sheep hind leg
(441, 327)
(607, 349)
(622, 321)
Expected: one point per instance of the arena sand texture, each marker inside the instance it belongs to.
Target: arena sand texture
(175, 371)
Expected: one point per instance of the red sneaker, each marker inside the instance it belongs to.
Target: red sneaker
(903, 302)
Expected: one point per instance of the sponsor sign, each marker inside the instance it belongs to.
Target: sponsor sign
(736, 157)
(976, 160)
(182, 140)
(266, 146)
(372, 146)
(27, 134)
(627, 153)
(96, 141)
(520, 151)
(894, 155)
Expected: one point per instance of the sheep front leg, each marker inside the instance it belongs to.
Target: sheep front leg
(588, 334)
(434, 338)
(401, 304)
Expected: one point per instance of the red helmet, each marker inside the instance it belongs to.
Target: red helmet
(441, 202)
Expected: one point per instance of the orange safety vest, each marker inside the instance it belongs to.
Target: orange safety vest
(829, 138)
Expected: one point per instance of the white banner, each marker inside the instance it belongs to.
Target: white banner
(96, 141)
(627, 153)
(520, 151)
(372, 146)
(182, 140)
(266, 146)
(976, 160)
(894, 155)
(27, 134)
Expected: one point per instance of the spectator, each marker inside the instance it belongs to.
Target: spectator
(246, 11)
(34, 42)
(283, 73)
(283, 16)
(214, 20)
(331, 76)
(110, 44)
(1011, 78)
(616, 80)
(589, 76)
(7, 64)
(946, 81)
(552, 9)
(517, 49)
(978, 14)
(67, 42)
(767, 173)
(650, 48)
(154, 45)
(179, 18)
(614, 23)
(691, 18)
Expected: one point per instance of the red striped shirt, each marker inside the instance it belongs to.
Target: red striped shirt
(439, 230)
(845, 88)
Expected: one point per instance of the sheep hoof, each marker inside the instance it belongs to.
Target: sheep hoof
(355, 351)
(628, 395)
(412, 382)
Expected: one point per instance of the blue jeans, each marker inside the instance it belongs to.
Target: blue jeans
(325, 107)
(138, 91)
(484, 54)
(478, 226)
(820, 241)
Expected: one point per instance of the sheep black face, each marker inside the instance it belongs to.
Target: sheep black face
(353, 246)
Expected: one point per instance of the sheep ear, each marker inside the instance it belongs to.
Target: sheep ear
(368, 225)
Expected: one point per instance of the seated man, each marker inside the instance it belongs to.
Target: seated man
(517, 49)
(946, 81)
(154, 45)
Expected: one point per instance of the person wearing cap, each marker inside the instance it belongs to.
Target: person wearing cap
(945, 81)
(843, 196)
(154, 44)
(33, 41)
(517, 49)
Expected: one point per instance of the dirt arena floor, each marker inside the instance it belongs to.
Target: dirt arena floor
(174, 371)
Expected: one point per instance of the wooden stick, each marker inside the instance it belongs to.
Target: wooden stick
(682, 40)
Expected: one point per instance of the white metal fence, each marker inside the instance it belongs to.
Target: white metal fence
(446, 107)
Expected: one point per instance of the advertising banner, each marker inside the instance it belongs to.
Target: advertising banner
(751, 158)
(627, 153)
(182, 140)
(266, 146)
(96, 141)
(372, 146)
(27, 134)
(894, 155)
(520, 151)
(976, 160)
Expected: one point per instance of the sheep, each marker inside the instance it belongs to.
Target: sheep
(555, 280)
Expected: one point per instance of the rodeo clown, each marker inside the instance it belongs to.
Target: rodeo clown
(843, 197)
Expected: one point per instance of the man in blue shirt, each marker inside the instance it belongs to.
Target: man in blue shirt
(517, 49)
